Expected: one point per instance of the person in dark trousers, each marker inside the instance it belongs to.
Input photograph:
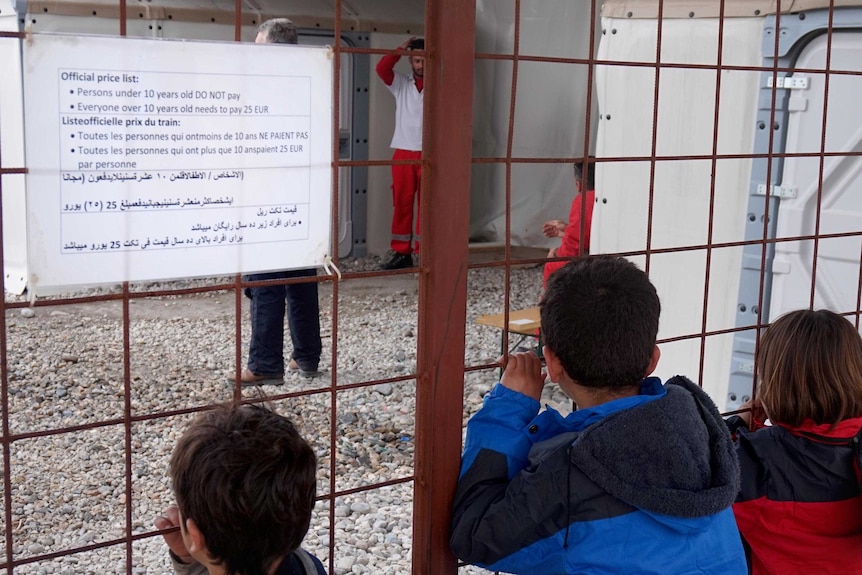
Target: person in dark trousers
(266, 349)
(245, 484)
(407, 141)
(640, 479)
(800, 505)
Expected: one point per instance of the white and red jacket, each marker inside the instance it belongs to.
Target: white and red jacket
(409, 93)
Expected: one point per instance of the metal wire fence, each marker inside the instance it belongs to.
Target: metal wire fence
(655, 115)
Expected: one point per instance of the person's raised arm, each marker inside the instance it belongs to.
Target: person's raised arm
(387, 63)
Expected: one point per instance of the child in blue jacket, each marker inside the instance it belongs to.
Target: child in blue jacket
(640, 479)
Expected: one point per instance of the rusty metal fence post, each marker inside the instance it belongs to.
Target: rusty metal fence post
(450, 33)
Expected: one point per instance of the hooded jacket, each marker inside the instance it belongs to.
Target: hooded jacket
(641, 484)
(800, 505)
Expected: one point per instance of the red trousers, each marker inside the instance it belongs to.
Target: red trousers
(405, 186)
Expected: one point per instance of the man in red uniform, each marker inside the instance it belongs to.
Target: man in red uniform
(407, 141)
(572, 245)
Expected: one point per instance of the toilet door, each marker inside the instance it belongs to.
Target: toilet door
(830, 266)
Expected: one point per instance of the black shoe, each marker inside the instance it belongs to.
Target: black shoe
(397, 261)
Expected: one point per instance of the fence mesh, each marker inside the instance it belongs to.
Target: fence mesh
(726, 158)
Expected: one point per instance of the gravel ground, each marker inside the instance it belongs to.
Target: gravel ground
(65, 368)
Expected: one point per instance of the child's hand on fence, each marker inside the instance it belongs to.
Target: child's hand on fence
(524, 374)
(174, 540)
(756, 413)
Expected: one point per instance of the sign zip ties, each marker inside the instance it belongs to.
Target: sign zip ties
(329, 266)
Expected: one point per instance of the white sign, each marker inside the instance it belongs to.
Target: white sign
(157, 159)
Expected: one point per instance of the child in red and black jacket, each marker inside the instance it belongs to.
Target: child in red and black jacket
(799, 508)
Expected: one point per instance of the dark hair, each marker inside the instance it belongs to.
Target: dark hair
(416, 44)
(588, 182)
(247, 478)
(600, 317)
(809, 364)
(279, 31)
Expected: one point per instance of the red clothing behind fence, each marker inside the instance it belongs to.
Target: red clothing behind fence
(407, 141)
(571, 244)
(405, 187)
(799, 508)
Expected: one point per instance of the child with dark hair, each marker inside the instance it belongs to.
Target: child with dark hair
(244, 481)
(799, 508)
(640, 479)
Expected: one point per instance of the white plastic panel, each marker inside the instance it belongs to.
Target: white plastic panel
(12, 149)
(104, 230)
(681, 188)
(40, 22)
(713, 8)
(345, 119)
(834, 273)
(395, 16)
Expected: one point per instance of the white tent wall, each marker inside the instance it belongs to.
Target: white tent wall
(12, 150)
(713, 8)
(385, 16)
(550, 115)
(681, 188)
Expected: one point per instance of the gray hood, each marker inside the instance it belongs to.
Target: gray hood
(672, 456)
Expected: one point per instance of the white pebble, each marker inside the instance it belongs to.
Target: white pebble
(360, 507)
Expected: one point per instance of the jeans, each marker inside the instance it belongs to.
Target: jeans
(266, 349)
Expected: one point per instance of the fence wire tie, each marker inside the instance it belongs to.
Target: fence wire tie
(28, 29)
(329, 266)
(31, 290)
(330, 52)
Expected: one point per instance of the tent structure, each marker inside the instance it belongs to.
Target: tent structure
(384, 16)
(703, 102)
(713, 8)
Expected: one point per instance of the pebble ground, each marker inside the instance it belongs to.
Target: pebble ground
(65, 368)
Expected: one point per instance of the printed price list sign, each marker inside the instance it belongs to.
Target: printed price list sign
(154, 159)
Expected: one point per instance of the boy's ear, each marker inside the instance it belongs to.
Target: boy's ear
(196, 542)
(552, 364)
(653, 362)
